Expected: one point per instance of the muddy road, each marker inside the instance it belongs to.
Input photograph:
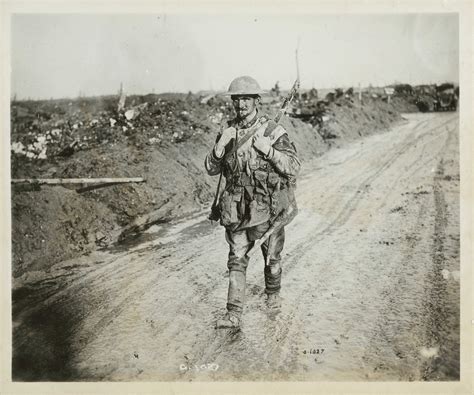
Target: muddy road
(370, 285)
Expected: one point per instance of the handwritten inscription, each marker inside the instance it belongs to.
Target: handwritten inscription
(199, 368)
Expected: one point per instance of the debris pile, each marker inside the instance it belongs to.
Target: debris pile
(45, 131)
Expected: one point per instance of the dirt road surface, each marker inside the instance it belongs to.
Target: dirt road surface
(370, 284)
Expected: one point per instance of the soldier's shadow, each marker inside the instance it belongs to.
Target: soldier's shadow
(41, 347)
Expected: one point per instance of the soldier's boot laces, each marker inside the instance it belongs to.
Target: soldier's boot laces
(274, 300)
(228, 321)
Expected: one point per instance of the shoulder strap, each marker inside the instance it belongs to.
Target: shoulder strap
(249, 134)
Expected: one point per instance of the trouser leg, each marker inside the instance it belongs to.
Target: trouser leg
(237, 263)
(272, 249)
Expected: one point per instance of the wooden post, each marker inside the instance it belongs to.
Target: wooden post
(298, 81)
(122, 98)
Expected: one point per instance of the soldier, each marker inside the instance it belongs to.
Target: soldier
(260, 165)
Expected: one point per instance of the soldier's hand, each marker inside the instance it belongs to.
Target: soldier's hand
(262, 144)
(227, 135)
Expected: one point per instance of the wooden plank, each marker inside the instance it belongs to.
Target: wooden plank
(63, 181)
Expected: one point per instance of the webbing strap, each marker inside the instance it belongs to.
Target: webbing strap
(246, 138)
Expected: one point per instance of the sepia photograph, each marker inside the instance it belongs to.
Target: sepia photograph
(235, 197)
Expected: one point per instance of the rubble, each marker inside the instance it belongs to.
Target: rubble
(18, 148)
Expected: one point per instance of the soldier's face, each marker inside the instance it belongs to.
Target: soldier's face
(244, 105)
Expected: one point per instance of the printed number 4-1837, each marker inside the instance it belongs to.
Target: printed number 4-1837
(314, 351)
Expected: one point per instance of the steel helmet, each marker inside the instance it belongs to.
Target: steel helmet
(244, 85)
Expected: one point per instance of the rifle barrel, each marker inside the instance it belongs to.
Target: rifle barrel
(287, 101)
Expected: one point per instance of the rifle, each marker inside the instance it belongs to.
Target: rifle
(288, 99)
(289, 213)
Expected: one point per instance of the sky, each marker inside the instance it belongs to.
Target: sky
(66, 55)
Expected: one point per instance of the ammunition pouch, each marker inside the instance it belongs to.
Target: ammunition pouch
(259, 213)
(215, 214)
(228, 208)
(249, 201)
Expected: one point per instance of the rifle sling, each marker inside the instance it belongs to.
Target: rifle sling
(246, 138)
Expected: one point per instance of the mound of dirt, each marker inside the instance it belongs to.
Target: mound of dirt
(350, 119)
(163, 138)
(54, 224)
(404, 104)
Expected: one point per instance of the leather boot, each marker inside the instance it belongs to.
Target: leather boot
(273, 283)
(272, 275)
(235, 301)
(229, 321)
(274, 300)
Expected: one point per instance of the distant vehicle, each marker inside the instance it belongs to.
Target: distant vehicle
(310, 111)
(446, 98)
(402, 89)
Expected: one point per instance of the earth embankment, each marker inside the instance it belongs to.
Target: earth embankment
(163, 138)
